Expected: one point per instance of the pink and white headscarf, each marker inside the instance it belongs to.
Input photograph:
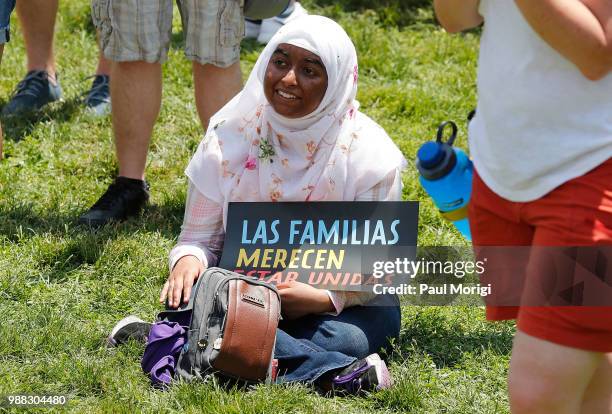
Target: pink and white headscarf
(251, 153)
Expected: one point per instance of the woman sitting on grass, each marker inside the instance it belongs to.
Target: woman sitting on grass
(295, 134)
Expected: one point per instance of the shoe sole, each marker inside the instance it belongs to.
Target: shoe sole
(93, 224)
(126, 328)
(98, 111)
(96, 224)
(30, 111)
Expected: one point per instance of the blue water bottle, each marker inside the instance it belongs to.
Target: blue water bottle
(446, 175)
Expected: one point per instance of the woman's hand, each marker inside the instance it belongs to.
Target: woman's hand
(299, 299)
(181, 280)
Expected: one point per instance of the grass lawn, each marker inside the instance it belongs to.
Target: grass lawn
(62, 287)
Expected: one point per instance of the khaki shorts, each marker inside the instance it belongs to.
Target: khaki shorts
(140, 30)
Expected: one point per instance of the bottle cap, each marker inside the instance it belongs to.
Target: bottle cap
(436, 159)
(430, 154)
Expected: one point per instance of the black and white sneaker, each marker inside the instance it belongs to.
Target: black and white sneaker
(124, 198)
(128, 328)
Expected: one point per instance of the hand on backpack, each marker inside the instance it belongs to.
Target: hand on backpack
(181, 280)
(300, 299)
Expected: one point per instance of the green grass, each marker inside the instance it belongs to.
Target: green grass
(62, 288)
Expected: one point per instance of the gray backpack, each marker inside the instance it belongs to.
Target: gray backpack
(232, 331)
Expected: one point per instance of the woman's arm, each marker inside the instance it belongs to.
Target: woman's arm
(199, 246)
(579, 30)
(389, 189)
(202, 231)
(457, 15)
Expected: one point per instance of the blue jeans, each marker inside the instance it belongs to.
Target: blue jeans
(311, 346)
(6, 8)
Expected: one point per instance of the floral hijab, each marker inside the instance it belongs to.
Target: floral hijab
(251, 153)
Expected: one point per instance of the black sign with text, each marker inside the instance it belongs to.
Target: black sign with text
(319, 243)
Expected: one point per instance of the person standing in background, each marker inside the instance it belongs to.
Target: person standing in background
(541, 142)
(41, 85)
(213, 32)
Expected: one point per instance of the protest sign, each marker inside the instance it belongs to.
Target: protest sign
(320, 243)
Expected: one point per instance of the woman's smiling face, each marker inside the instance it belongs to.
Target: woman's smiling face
(295, 82)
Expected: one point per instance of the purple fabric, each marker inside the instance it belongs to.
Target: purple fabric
(164, 345)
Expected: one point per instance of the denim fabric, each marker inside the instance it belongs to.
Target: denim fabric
(311, 346)
(6, 7)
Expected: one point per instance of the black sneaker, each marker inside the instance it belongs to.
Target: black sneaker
(124, 198)
(97, 99)
(32, 93)
(128, 328)
(364, 375)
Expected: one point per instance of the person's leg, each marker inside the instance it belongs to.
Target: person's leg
(104, 65)
(38, 25)
(40, 86)
(136, 90)
(301, 360)
(213, 45)
(559, 361)
(357, 332)
(597, 398)
(137, 53)
(97, 100)
(338, 352)
(548, 378)
(214, 87)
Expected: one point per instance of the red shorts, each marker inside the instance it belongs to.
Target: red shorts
(577, 213)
